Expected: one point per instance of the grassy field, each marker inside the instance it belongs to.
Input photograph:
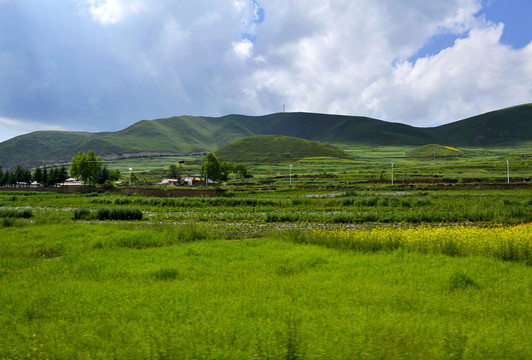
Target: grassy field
(289, 273)
(368, 164)
(86, 291)
(339, 265)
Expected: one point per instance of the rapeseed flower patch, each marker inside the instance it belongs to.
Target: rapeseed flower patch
(506, 243)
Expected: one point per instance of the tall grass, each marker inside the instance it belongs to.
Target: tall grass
(62, 298)
(118, 214)
(13, 213)
(106, 213)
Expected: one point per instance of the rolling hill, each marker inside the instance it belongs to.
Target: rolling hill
(276, 149)
(188, 134)
(430, 151)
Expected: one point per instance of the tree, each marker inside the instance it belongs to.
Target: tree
(240, 170)
(114, 175)
(56, 176)
(211, 168)
(45, 177)
(37, 176)
(3, 178)
(172, 171)
(63, 174)
(103, 176)
(86, 166)
(225, 169)
(12, 179)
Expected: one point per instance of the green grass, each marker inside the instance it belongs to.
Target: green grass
(64, 297)
(274, 149)
(431, 151)
(267, 274)
(368, 164)
(298, 206)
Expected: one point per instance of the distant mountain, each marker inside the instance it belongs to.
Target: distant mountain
(188, 134)
(276, 149)
(508, 126)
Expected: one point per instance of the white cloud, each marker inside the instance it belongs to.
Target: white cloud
(112, 11)
(213, 57)
(10, 128)
(342, 61)
(243, 49)
(478, 74)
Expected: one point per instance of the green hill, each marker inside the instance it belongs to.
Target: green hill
(508, 126)
(433, 150)
(187, 134)
(274, 149)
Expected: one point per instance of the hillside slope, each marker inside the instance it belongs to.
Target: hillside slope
(508, 126)
(186, 134)
(276, 149)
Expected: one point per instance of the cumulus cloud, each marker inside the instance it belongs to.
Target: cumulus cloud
(10, 128)
(103, 64)
(112, 11)
(354, 60)
(243, 49)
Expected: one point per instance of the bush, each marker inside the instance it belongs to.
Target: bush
(119, 214)
(166, 274)
(9, 213)
(109, 184)
(7, 223)
(81, 214)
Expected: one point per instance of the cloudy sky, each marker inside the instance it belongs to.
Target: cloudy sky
(101, 65)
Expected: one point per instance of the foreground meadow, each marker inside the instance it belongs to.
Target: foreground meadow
(259, 286)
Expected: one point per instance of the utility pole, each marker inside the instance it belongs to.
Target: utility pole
(392, 163)
(290, 175)
(508, 169)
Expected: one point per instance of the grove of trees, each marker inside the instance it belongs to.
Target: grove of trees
(42, 176)
(219, 170)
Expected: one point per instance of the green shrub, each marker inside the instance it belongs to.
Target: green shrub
(48, 251)
(81, 214)
(282, 217)
(11, 213)
(7, 223)
(166, 274)
(460, 281)
(343, 218)
(119, 214)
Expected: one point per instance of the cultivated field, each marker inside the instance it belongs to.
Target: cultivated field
(341, 264)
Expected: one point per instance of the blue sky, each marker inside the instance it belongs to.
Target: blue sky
(101, 65)
(514, 14)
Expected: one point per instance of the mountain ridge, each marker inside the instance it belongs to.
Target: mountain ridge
(193, 134)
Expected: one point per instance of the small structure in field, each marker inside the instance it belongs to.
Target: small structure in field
(169, 182)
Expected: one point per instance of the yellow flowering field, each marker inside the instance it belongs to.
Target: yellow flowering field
(506, 243)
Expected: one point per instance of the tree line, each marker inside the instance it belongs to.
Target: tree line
(91, 170)
(42, 176)
(86, 167)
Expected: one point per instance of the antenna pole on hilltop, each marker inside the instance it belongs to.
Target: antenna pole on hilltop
(283, 108)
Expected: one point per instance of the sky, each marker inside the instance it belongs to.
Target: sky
(102, 65)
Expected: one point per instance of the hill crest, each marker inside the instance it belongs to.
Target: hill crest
(193, 134)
